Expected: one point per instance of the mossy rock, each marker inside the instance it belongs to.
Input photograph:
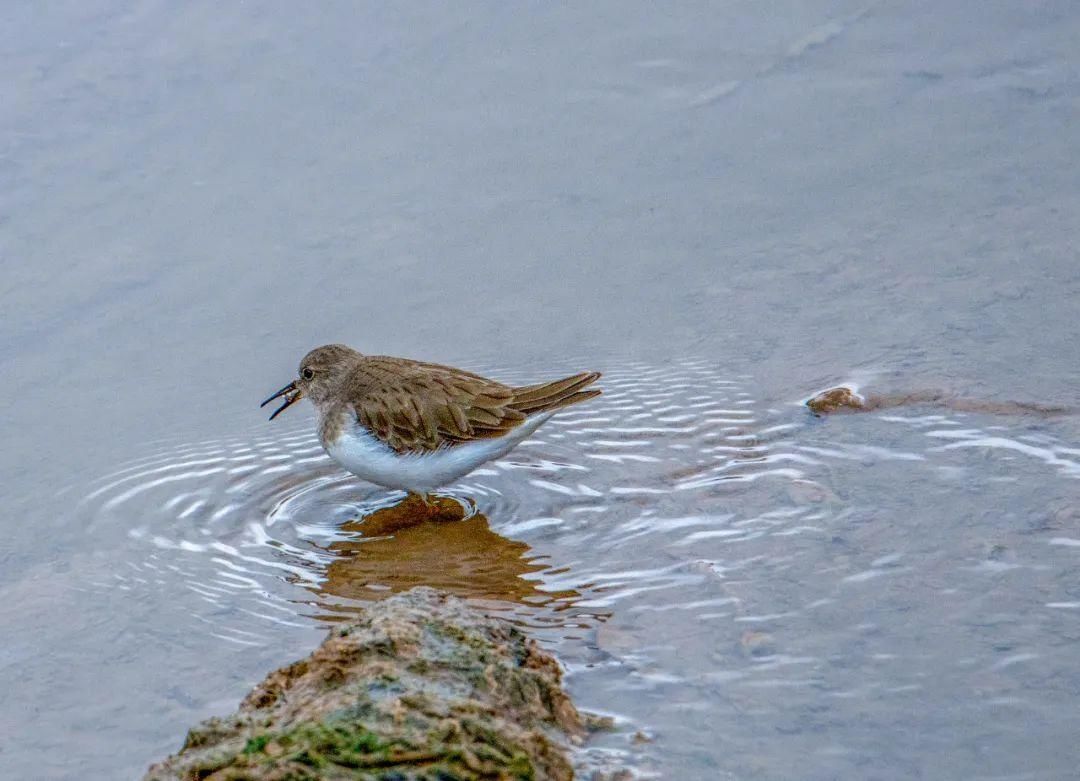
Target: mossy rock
(419, 687)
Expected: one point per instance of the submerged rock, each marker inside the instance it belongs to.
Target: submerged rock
(836, 400)
(419, 687)
(844, 399)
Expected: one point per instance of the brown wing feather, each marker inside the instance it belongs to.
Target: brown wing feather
(416, 407)
(553, 395)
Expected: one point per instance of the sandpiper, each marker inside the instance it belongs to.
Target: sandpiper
(416, 426)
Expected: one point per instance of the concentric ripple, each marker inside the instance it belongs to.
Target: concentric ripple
(269, 528)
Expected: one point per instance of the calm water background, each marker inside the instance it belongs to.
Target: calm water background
(724, 206)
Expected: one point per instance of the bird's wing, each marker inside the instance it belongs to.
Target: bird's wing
(420, 407)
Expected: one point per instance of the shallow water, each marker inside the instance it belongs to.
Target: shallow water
(724, 209)
(715, 570)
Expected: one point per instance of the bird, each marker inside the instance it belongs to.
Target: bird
(415, 426)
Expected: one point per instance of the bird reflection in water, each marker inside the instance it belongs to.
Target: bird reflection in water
(440, 545)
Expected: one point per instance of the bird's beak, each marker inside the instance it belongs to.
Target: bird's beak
(292, 395)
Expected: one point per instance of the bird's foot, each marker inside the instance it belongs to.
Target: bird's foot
(443, 508)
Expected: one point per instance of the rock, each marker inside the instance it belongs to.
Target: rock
(420, 686)
(844, 399)
(839, 399)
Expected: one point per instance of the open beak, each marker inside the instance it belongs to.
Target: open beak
(292, 395)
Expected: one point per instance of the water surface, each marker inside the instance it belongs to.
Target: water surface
(723, 208)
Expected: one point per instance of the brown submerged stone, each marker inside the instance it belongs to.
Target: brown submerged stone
(836, 400)
(842, 399)
(420, 686)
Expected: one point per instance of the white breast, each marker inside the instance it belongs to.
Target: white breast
(369, 459)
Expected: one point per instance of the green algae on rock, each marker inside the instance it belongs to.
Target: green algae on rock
(420, 686)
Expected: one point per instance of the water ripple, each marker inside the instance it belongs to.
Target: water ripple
(681, 542)
(266, 525)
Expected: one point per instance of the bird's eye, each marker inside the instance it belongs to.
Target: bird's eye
(308, 373)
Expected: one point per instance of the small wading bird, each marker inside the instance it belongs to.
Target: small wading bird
(416, 426)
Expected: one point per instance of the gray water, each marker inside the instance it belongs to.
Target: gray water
(725, 207)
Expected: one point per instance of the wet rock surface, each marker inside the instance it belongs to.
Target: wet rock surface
(839, 399)
(843, 399)
(420, 686)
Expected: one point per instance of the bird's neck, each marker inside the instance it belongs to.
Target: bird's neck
(333, 420)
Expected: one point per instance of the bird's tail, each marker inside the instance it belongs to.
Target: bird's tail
(550, 396)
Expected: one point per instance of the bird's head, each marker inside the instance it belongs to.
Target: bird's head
(319, 375)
